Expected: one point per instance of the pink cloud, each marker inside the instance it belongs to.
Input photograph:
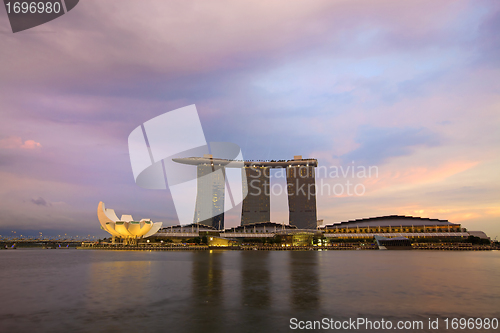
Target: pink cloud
(30, 144)
(417, 175)
(14, 142)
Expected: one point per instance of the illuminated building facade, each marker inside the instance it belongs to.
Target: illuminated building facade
(256, 206)
(394, 226)
(125, 228)
(301, 186)
(210, 195)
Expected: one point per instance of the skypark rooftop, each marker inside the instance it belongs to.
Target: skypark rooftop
(239, 164)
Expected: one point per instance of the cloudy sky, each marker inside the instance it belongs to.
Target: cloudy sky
(410, 87)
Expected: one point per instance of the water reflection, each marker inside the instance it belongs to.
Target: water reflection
(230, 291)
(255, 280)
(304, 281)
(119, 279)
(207, 299)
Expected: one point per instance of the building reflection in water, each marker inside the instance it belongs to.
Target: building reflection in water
(238, 290)
(303, 268)
(255, 280)
(120, 284)
(207, 292)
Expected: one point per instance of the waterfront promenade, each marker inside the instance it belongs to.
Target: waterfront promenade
(337, 247)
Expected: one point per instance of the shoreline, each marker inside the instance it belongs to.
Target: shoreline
(276, 248)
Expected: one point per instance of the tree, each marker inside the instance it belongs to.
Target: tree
(204, 239)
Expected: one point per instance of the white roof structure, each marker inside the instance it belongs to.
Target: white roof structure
(391, 221)
(125, 227)
(127, 218)
(479, 234)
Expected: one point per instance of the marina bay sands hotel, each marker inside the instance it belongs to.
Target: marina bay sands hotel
(211, 181)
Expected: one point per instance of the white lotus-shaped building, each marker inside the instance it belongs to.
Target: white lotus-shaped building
(126, 228)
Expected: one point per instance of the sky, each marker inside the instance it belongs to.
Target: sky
(409, 88)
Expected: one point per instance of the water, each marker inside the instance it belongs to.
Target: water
(239, 291)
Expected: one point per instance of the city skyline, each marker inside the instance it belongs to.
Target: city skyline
(410, 88)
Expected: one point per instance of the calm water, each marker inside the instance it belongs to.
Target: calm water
(231, 291)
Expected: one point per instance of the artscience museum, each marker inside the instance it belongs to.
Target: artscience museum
(126, 228)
